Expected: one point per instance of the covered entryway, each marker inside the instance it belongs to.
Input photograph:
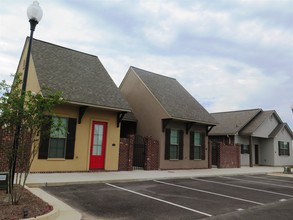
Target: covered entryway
(256, 154)
(98, 145)
(215, 153)
(138, 152)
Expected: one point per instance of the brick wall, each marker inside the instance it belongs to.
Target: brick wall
(126, 153)
(210, 154)
(152, 154)
(229, 156)
(6, 141)
(151, 160)
(23, 153)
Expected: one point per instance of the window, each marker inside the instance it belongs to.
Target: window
(197, 148)
(58, 136)
(244, 149)
(174, 144)
(284, 148)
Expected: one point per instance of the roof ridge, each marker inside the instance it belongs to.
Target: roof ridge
(152, 72)
(63, 47)
(237, 111)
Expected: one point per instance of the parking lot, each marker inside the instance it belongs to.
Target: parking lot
(221, 197)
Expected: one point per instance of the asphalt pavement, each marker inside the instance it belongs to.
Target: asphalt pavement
(246, 196)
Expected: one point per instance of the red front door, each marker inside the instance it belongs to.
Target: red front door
(98, 145)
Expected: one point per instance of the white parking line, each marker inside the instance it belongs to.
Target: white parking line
(271, 184)
(243, 187)
(213, 193)
(258, 177)
(160, 200)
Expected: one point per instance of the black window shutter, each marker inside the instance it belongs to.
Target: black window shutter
(191, 150)
(288, 144)
(203, 147)
(167, 144)
(44, 139)
(181, 145)
(279, 143)
(70, 138)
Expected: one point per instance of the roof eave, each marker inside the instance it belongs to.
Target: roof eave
(221, 134)
(195, 121)
(100, 106)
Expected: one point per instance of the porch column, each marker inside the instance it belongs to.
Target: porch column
(250, 152)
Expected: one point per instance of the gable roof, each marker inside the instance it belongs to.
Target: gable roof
(81, 77)
(279, 128)
(174, 98)
(230, 123)
(257, 121)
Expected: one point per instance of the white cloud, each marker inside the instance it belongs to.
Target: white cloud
(228, 54)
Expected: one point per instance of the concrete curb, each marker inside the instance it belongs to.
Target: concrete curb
(137, 179)
(61, 211)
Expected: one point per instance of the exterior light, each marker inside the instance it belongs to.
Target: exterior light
(34, 12)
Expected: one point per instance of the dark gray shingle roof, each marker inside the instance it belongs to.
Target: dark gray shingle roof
(178, 103)
(278, 129)
(230, 123)
(256, 122)
(81, 77)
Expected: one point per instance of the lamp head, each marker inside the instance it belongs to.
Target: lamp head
(34, 12)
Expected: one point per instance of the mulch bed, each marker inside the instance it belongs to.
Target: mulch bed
(33, 204)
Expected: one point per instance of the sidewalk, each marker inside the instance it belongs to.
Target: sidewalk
(53, 179)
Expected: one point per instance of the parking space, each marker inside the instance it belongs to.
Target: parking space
(192, 198)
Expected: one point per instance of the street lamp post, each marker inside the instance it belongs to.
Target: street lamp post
(34, 14)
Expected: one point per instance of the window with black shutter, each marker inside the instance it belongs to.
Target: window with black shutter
(70, 138)
(244, 149)
(58, 139)
(44, 139)
(174, 144)
(284, 148)
(203, 146)
(197, 146)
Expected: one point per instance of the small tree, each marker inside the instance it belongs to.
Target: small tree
(21, 119)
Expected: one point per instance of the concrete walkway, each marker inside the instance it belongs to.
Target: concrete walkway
(50, 179)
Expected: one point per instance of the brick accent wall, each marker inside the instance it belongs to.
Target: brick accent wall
(210, 155)
(6, 140)
(126, 153)
(151, 160)
(23, 153)
(229, 156)
(152, 154)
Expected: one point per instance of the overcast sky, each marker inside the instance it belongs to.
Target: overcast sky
(229, 54)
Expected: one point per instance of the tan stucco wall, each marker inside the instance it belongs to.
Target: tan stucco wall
(82, 142)
(32, 80)
(149, 114)
(83, 131)
(144, 106)
(186, 163)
